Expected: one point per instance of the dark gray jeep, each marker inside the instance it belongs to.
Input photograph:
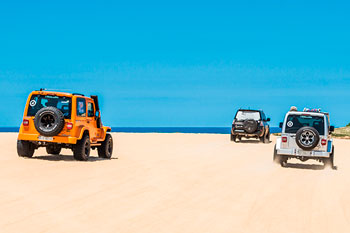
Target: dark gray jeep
(250, 123)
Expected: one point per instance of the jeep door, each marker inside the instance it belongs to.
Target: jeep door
(80, 120)
(91, 121)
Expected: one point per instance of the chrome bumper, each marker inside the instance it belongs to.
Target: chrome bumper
(302, 153)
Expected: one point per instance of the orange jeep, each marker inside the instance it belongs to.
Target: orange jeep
(57, 120)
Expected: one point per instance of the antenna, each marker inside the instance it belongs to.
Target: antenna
(49, 89)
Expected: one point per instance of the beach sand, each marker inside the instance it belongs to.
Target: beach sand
(173, 183)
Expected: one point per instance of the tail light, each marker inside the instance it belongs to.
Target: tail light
(69, 125)
(284, 139)
(261, 123)
(323, 142)
(25, 122)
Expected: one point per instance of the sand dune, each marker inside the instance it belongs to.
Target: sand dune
(173, 183)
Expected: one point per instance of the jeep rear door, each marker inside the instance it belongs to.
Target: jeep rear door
(91, 121)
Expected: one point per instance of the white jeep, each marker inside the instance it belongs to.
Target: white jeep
(305, 135)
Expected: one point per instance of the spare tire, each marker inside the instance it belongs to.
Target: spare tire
(250, 126)
(49, 121)
(307, 138)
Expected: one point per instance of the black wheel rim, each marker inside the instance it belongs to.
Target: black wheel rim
(307, 138)
(47, 121)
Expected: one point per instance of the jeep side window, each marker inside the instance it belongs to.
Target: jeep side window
(81, 107)
(91, 112)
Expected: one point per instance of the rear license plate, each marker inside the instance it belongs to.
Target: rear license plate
(304, 153)
(45, 138)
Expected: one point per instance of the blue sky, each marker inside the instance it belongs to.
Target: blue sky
(178, 63)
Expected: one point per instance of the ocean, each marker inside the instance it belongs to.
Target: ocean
(210, 130)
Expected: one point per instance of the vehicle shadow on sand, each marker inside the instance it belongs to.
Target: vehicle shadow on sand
(67, 158)
(307, 166)
(252, 141)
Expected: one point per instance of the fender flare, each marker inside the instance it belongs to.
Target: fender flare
(105, 131)
(82, 132)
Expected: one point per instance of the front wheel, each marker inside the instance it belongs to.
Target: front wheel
(53, 149)
(106, 148)
(81, 150)
(25, 148)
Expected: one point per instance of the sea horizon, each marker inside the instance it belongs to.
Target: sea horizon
(207, 130)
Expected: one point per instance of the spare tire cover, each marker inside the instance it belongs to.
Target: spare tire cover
(49, 121)
(250, 126)
(307, 138)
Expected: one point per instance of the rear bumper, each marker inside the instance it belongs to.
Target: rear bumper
(301, 153)
(242, 133)
(55, 139)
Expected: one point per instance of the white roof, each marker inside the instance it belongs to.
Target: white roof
(306, 113)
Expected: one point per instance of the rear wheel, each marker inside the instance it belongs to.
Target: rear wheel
(53, 149)
(329, 162)
(106, 148)
(278, 159)
(234, 138)
(25, 148)
(266, 138)
(81, 150)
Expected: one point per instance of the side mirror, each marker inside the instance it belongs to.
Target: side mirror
(281, 125)
(331, 128)
(268, 119)
(97, 114)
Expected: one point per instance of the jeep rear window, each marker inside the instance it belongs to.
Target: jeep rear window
(245, 115)
(295, 122)
(38, 102)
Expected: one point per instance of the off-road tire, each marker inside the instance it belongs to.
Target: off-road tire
(52, 114)
(262, 138)
(106, 149)
(250, 126)
(81, 150)
(53, 149)
(301, 132)
(266, 138)
(329, 162)
(234, 138)
(25, 148)
(278, 159)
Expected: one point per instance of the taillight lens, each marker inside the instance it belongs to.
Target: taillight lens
(261, 123)
(323, 142)
(284, 139)
(69, 125)
(25, 122)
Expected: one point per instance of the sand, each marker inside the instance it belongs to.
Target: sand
(173, 183)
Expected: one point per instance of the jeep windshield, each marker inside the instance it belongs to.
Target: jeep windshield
(247, 115)
(295, 122)
(38, 102)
